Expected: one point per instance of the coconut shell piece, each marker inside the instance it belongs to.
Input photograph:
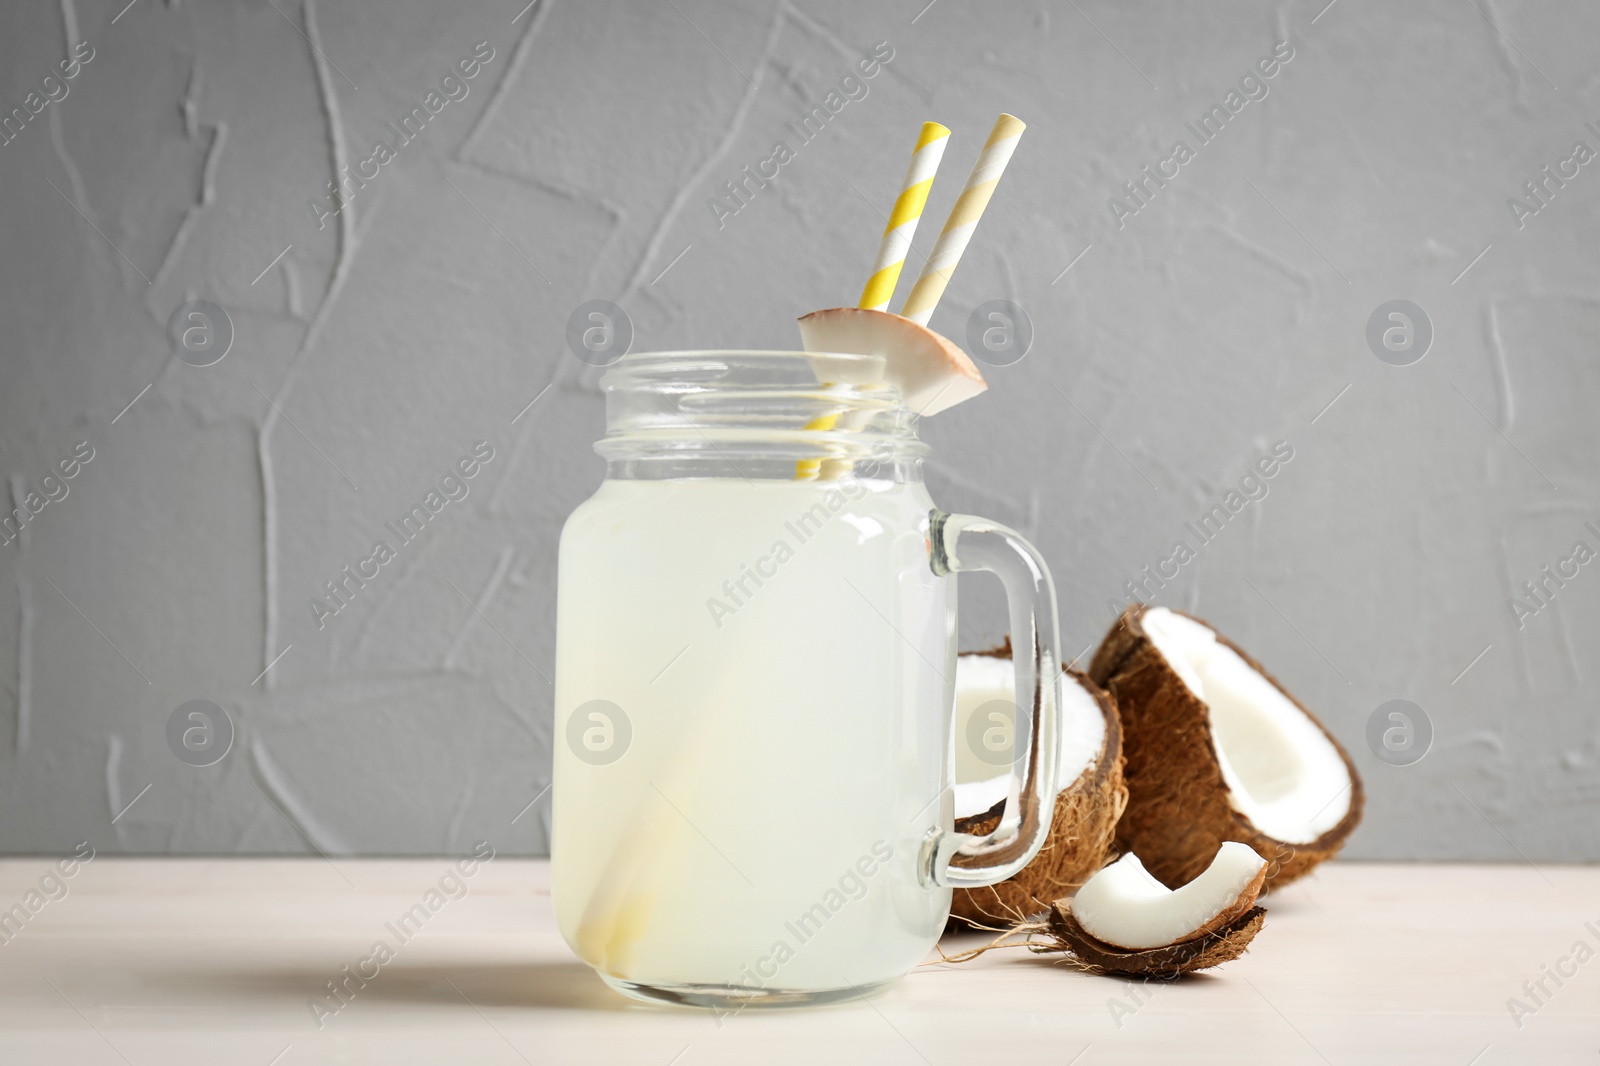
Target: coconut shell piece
(1211, 948)
(981, 825)
(1081, 831)
(1178, 812)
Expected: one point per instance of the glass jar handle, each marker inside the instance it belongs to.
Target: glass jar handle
(961, 543)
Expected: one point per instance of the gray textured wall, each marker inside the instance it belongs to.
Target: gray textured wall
(1228, 313)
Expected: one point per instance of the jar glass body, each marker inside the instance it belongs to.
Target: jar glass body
(753, 689)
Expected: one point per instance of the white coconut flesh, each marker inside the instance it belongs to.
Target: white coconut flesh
(847, 369)
(1282, 771)
(984, 679)
(932, 374)
(1125, 906)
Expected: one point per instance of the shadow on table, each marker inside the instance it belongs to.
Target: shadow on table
(557, 985)
(561, 985)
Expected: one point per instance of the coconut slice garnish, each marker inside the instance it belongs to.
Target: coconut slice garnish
(1218, 750)
(1125, 907)
(1090, 794)
(932, 373)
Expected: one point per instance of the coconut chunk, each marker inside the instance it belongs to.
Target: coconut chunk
(932, 373)
(1125, 907)
(1214, 948)
(1218, 750)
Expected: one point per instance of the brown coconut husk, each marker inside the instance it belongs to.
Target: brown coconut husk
(1081, 831)
(1178, 812)
(1209, 948)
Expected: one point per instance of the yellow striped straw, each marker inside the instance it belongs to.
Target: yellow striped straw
(892, 250)
(903, 219)
(963, 219)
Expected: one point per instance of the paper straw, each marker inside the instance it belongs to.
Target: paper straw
(903, 219)
(963, 219)
(879, 290)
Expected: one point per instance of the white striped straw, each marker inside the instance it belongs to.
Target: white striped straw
(963, 219)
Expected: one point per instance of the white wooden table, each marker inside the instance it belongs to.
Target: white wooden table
(183, 961)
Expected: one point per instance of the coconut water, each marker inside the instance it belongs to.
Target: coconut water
(752, 713)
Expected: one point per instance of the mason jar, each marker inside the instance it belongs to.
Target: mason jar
(755, 656)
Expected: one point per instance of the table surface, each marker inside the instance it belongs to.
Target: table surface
(213, 961)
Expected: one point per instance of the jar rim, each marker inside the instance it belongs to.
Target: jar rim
(751, 403)
(864, 369)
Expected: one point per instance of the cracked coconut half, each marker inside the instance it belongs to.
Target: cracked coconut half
(1090, 793)
(1218, 751)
